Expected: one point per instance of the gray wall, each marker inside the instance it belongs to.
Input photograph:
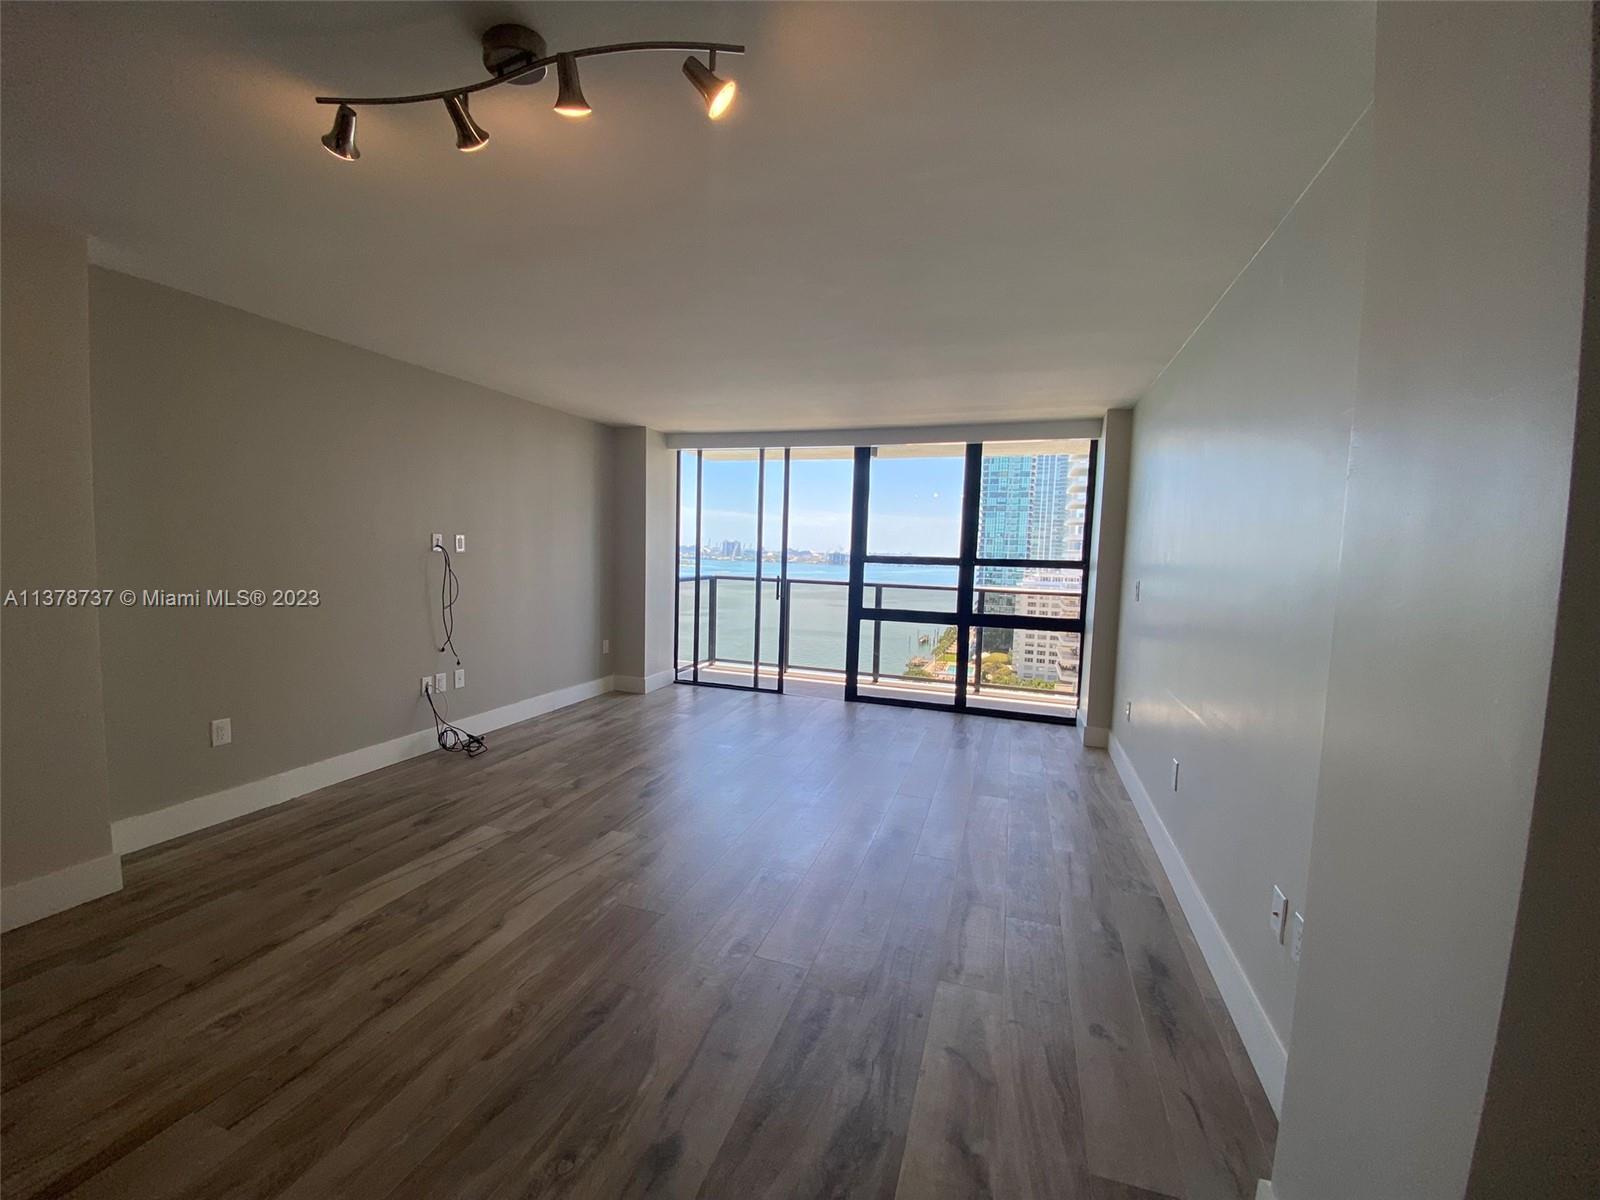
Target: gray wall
(1461, 455)
(53, 770)
(231, 451)
(1236, 495)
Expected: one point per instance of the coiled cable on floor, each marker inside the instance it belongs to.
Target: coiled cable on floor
(452, 737)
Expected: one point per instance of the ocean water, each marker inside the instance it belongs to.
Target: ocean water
(817, 613)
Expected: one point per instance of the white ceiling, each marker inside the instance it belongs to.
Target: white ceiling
(916, 212)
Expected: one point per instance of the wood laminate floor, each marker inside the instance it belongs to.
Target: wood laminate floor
(698, 943)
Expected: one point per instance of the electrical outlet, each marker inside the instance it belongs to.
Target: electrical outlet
(427, 684)
(438, 542)
(1280, 912)
(1174, 774)
(222, 731)
(1127, 711)
(1297, 934)
(441, 682)
(1136, 586)
(461, 543)
(605, 645)
(461, 677)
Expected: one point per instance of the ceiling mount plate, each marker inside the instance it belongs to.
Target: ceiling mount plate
(507, 47)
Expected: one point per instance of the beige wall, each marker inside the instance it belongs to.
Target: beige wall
(1461, 456)
(1103, 610)
(1537, 1135)
(53, 769)
(235, 452)
(1236, 496)
(645, 555)
(661, 554)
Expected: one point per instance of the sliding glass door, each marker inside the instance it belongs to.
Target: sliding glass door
(733, 512)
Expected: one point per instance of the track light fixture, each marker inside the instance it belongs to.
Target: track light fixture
(516, 54)
(341, 139)
(718, 93)
(470, 135)
(569, 94)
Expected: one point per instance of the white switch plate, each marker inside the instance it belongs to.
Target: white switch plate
(1174, 774)
(461, 543)
(222, 731)
(461, 677)
(1297, 934)
(1280, 911)
(605, 645)
(427, 684)
(1136, 586)
(1127, 710)
(441, 682)
(438, 542)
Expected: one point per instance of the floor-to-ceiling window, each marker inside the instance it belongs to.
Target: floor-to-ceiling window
(948, 575)
(1029, 574)
(906, 573)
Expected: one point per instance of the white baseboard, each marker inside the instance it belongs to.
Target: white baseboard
(153, 828)
(1261, 1040)
(1264, 1190)
(640, 685)
(1094, 736)
(44, 895)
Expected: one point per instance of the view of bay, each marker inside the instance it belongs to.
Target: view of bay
(817, 611)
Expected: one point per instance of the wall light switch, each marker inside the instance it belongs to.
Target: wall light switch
(1280, 911)
(1297, 934)
(441, 682)
(605, 645)
(1136, 585)
(461, 677)
(222, 731)
(1174, 774)
(1127, 710)
(461, 543)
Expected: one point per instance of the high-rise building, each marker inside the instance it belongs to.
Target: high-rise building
(1030, 506)
(1039, 654)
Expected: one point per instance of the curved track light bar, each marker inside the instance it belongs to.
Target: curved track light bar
(532, 65)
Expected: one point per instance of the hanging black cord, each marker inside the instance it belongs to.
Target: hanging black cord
(452, 737)
(449, 593)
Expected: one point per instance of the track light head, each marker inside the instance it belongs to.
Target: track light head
(470, 135)
(340, 141)
(569, 100)
(718, 93)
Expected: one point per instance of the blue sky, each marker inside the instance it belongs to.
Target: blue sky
(915, 504)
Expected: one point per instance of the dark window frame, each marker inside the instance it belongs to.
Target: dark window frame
(967, 564)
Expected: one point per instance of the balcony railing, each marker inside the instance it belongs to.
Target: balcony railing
(814, 608)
